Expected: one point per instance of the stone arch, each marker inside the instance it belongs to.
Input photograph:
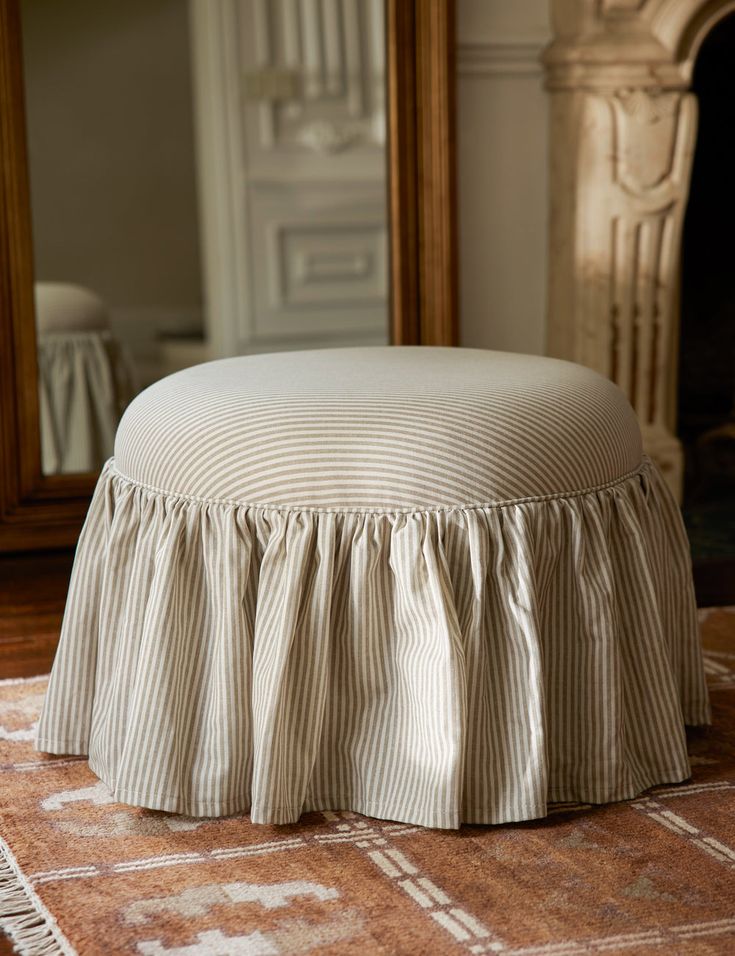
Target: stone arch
(682, 25)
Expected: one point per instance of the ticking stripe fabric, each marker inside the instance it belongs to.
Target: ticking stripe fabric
(85, 380)
(435, 586)
(379, 429)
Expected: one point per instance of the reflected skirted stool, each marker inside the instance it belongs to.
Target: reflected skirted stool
(85, 378)
(430, 585)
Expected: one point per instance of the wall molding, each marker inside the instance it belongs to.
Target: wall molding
(511, 56)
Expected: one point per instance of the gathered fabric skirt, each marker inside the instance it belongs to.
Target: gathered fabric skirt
(85, 382)
(434, 667)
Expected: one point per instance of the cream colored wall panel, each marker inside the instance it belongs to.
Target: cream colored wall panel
(321, 259)
(488, 20)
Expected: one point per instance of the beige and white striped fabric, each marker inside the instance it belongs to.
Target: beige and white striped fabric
(85, 381)
(429, 585)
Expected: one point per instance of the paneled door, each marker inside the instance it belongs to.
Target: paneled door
(290, 105)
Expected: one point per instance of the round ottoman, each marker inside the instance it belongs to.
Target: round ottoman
(431, 585)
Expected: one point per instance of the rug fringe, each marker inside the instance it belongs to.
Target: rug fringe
(10, 681)
(23, 917)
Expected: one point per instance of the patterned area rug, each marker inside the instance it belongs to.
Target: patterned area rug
(82, 874)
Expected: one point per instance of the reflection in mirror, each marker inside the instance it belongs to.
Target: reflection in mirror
(85, 378)
(207, 179)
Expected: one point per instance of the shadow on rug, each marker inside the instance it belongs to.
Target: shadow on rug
(81, 874)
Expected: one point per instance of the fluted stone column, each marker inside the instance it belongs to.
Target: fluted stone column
(623, 127)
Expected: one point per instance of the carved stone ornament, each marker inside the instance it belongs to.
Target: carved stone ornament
(325, 136)
(623, 128)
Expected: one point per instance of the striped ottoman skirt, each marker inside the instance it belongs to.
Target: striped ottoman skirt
(430, 585)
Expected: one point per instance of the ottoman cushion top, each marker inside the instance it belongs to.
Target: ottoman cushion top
(379, 429)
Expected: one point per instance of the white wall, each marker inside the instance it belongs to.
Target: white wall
(503, 173)
(113, 189)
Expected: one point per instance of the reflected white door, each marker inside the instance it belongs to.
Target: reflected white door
(290, 113)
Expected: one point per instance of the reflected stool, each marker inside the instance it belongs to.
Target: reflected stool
(85, 378)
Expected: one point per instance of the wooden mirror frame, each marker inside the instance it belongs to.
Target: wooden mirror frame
(47, 511)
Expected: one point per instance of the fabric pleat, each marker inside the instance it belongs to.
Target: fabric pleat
(85, 381)
(435, 667)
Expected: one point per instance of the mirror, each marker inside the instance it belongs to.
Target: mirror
(269, 277)
(147, 160)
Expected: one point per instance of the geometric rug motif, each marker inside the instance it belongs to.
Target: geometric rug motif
(82, 874)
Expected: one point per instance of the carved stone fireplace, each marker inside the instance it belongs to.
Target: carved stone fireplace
(623, 127)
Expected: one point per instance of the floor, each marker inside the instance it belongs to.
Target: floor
(711, 525)
(32, 595)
